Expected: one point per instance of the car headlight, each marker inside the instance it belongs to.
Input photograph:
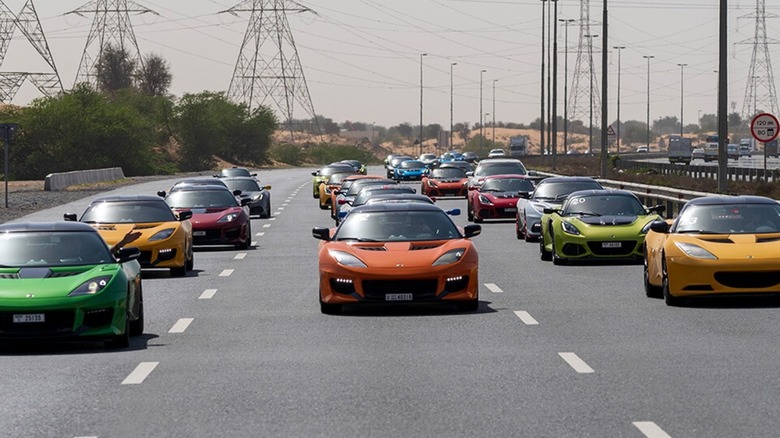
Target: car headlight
(569, 228)
(695, 251)
(162, 235)
(484, 199)
(228, 218)
(450, 257)
(346, 259)
(91, 287)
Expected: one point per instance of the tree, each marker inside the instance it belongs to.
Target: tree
(709, 122)
(154, 76)
(115, 69)
(666, 125)
(634, 131)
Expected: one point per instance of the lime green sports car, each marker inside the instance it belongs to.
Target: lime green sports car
(596, 224)
(61, 281)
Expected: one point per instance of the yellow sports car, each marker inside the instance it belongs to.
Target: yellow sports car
(166, 240)
(328, 187)
(718, 245)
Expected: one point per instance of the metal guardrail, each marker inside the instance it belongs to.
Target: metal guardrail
(702, 172)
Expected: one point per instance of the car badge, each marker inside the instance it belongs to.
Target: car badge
(750, 256)
(30, 296)
(399, 265)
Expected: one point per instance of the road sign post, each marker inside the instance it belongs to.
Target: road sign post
(764, 128)
(6, 132)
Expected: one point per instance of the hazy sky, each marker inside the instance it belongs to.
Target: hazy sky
(361, 58)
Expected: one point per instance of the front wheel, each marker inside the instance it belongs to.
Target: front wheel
(545, 255)
(120, 341)
(468, 306)
(651, 290)
(556, 259)
(669, 299)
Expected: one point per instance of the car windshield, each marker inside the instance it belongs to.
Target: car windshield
(427, 157)
(560, 190)
(357, 186)
(48, 249)
(337, 178)
(487, 169)
(245, 185)
(730, 219)
(412, 165)
(135, 212)
(385, 226)
(330, 170)
(236, 171)
(507, 185)
(448, 173)
(201, 199)
(604, 205)
(398, 160)
(365, 194)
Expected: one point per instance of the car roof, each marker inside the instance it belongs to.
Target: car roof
(202, 188)
(395, 206)
(554, 179)
(400, 197)
(15, 227)
(506, 175)
(128, 198)
(730, 200)
(601, 192)
(202, 180)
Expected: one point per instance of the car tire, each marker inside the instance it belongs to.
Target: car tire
(324, 206)
(246, 244)
(556, 259)
(180, 271)
(651, 291)
(669, 299)
(266, 212)
(468, 306)
(545, 255)
(189, 265)
(519, 232)
(469, 213)
(120, 341)
(137, 326)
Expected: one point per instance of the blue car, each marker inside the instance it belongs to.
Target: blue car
(410, 170)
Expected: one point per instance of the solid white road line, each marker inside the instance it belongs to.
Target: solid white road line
(140, 373)
(226, 273)
(240, 256)
(650, 429)
(267, 226)
(526, 317)
(181, 325)
(575, 362)
(493, 288)
(207, 294)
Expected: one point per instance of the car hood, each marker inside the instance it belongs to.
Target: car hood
(419, 254)
(607, 220)
(113, 233)
(735, 246)
(210, 215)
(44, 282)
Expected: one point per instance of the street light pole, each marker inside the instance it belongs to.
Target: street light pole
(452, 88)
(421, 101)
(554, 22)
(481, 117)
(590, 93)
(648, 58)
(541, 81)
(494, 112)
(566, 21)
(617, 146)
(682, 97)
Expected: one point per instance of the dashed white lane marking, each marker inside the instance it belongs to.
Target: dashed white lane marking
(226, 273)
(575, 362)
(86, 436)
(526, 317)
(140, 373)
(280, 208)
(285, 204)
(207, 294)
(650, 429)
(267, 226)
(492, 287)
(241, 255)
(252, 243)
(271, 218)
(260, 234)
(181, 325)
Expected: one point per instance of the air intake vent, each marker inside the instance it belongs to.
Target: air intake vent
(372, 248)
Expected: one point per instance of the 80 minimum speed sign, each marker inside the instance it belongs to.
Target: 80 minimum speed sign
(764, 127)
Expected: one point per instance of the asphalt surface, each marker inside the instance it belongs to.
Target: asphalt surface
(239, 347)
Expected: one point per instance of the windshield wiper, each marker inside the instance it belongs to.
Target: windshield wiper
(356, 239)
(583, 213)
(698, 232)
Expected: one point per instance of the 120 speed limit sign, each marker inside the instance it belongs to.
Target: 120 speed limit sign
(764, 127)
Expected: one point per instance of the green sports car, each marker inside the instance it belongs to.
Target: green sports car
(596, 224)
(60, 281)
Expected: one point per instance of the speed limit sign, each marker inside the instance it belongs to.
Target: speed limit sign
(764, 127)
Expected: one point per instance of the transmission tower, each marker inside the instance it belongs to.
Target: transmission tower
(760, 94)
(111, 26)
(27, 22)
(268, 68)
(584, 102)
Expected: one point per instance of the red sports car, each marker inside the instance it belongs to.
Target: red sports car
(445, 181)
(217, 216)
(496, 197)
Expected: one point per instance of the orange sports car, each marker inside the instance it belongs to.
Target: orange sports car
(166, 238)
(445, 180)
(718, 245)
(398, 253)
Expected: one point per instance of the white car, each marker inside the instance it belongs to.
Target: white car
(697, 154)
(494, 153)
(642, 149)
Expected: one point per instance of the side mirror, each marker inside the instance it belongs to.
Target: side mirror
(433, 198)
(524, 195)
(267, 187)
(253, 174)
(658, 208)
(161, 193)
(315, 173)
(659, 227)
(470, 173)
(472, 230)
(532, 173)
(184, 215)
(321, 233)
(454, 212)
(127, 254)
(236, 192)
(70, 217)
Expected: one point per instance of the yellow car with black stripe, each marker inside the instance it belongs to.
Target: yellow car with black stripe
(166, 238)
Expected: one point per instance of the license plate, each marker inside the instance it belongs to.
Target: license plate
(198, 233)
(30, 317)
(398, 297)
(510, 210)
(611, 244)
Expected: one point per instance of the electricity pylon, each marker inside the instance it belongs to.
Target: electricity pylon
(760, 94)
(268, 68)
(27, 22)
(585, 101)
(111, 26)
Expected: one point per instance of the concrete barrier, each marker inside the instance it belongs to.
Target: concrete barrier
(59, 181)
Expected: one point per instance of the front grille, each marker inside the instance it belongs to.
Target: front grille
(145, 259)
(57, 323)
(748, 280)
(9, 276)
(445, 192)
(99, 317)
(420, 247)
(420, 289)
(626, 248)
(572, 249)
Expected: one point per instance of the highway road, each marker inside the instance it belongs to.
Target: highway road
(239, 347)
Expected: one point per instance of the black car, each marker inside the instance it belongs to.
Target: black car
(249, 188)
